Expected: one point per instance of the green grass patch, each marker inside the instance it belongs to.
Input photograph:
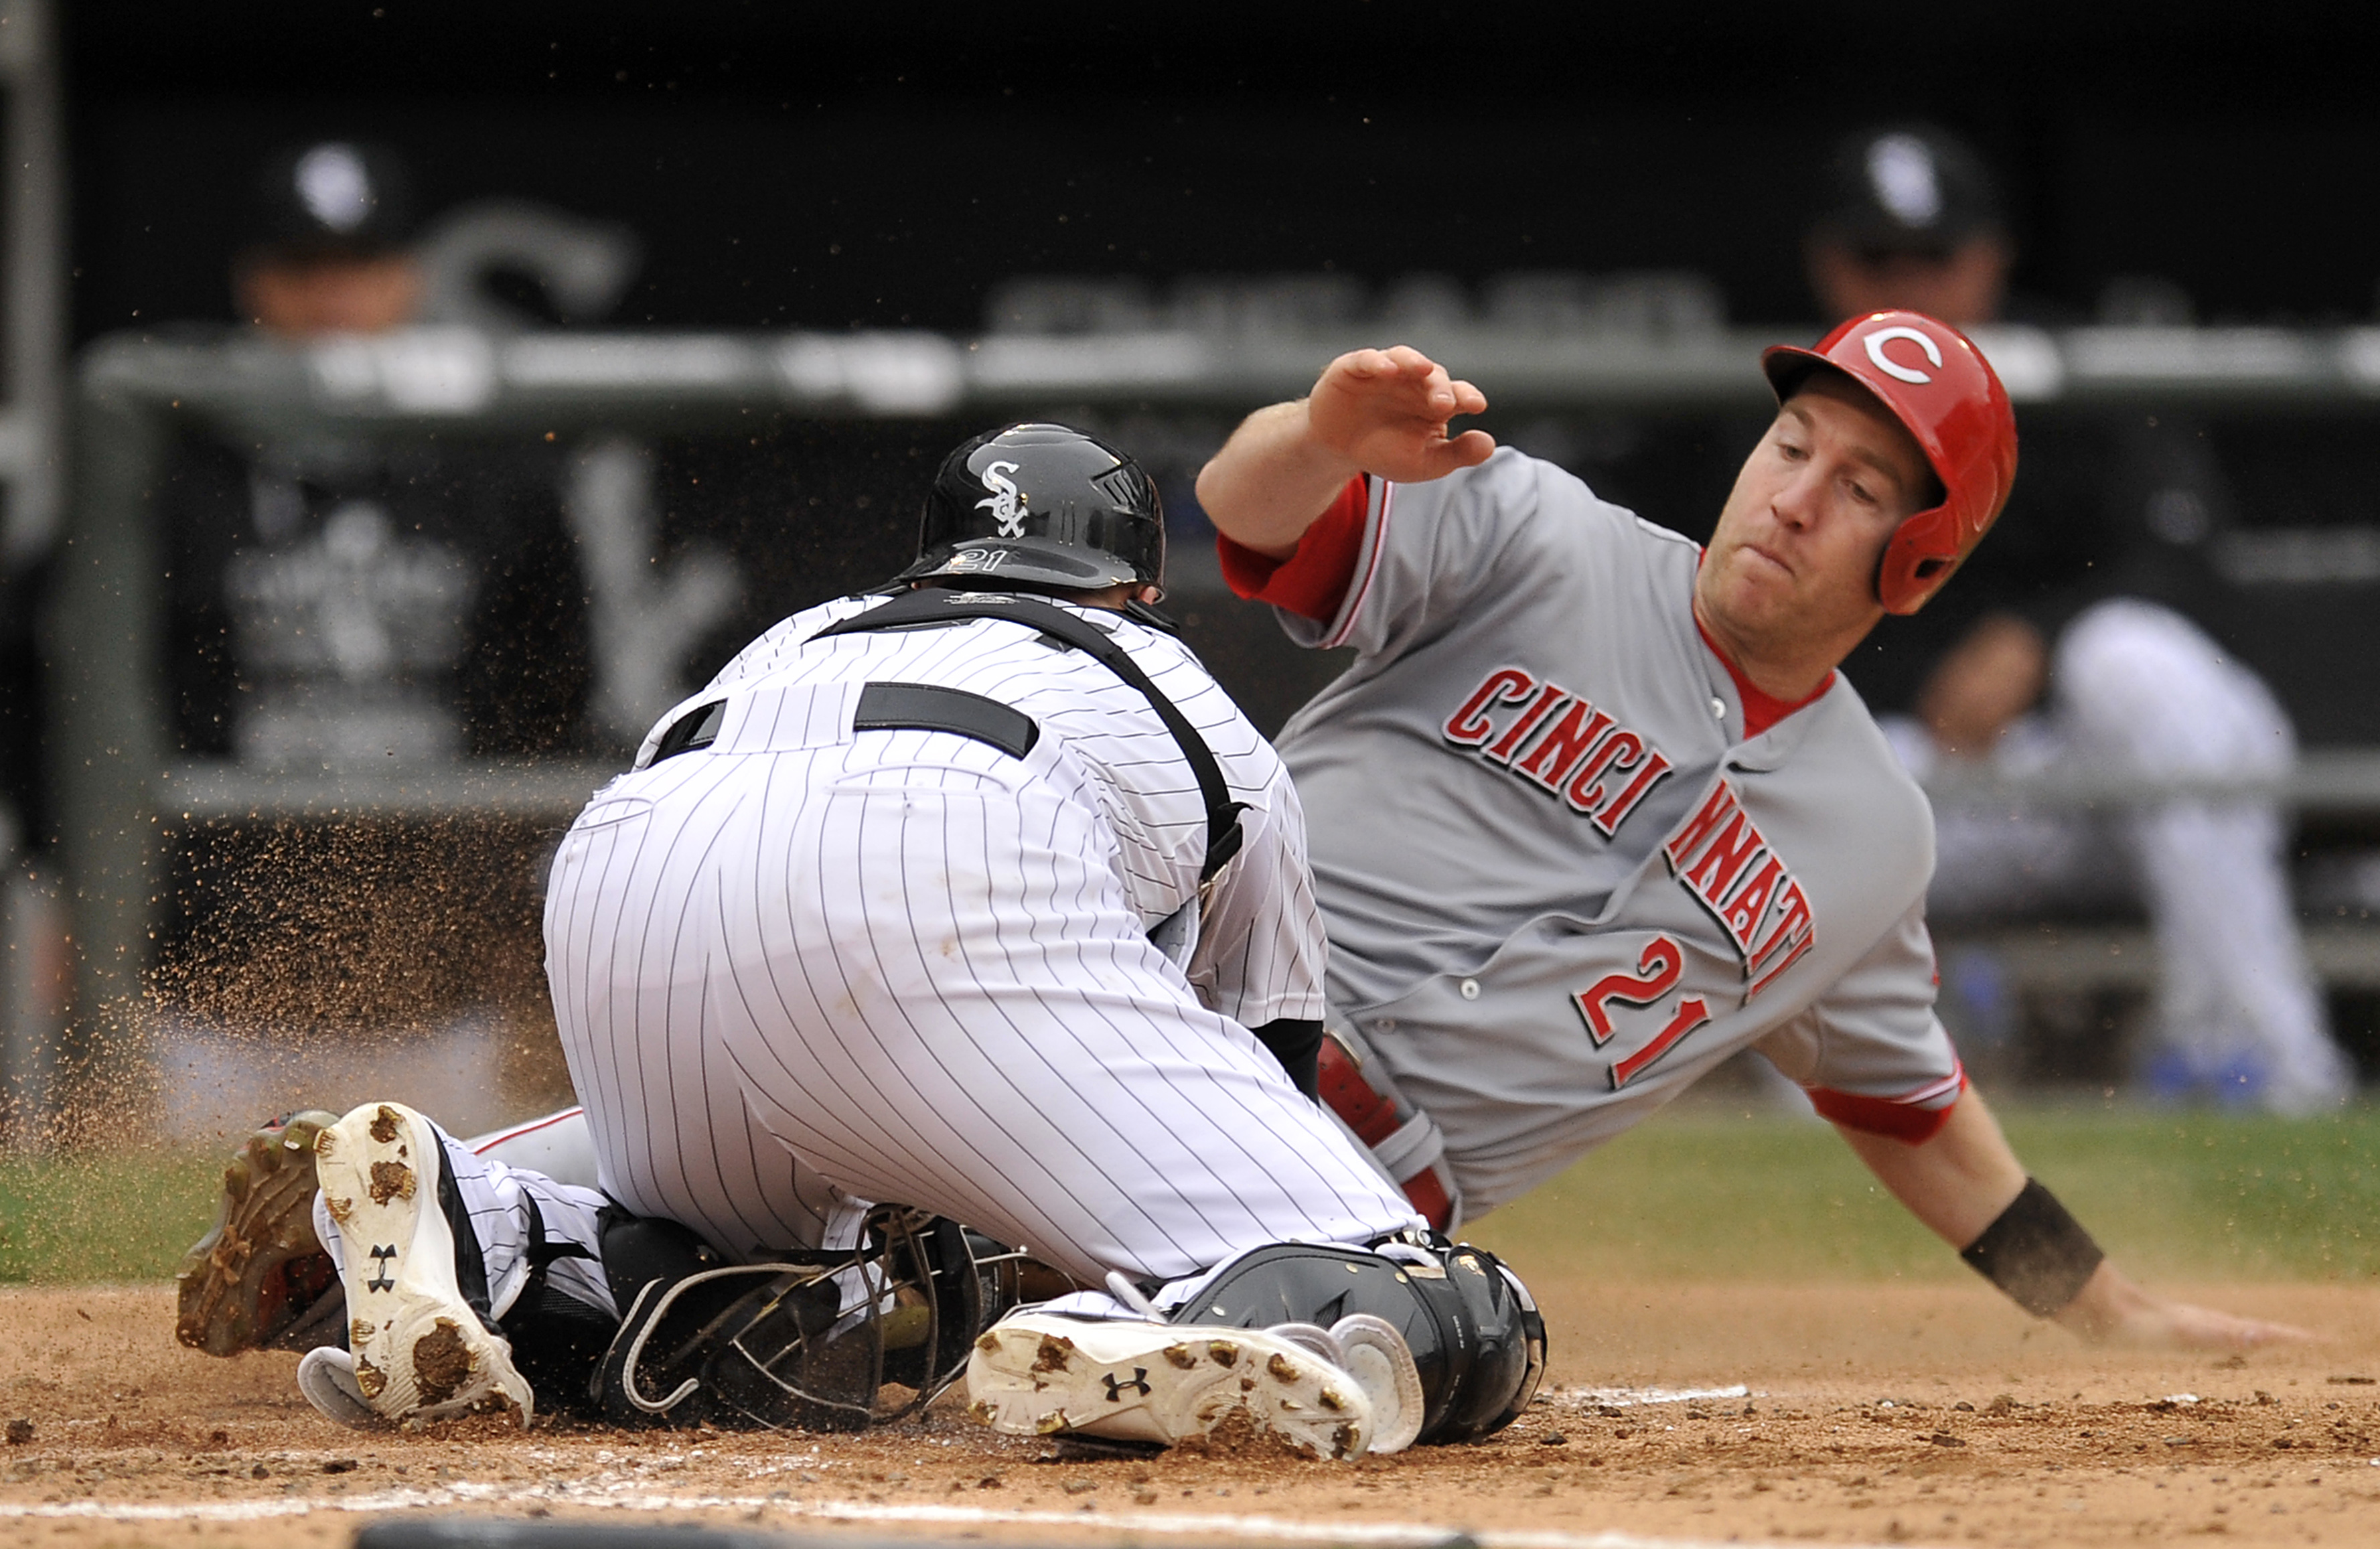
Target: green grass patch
(104, 1217)
(1701, 1194)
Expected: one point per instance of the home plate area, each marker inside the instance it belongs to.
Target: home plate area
(1673, 1414)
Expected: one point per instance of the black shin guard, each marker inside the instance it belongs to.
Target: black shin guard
(1476, 1338)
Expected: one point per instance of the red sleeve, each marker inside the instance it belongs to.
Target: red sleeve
(1311, 583)
(1895, 1120)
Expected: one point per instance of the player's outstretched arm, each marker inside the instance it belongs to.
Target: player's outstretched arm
(1965, 1184)
(1381, 412)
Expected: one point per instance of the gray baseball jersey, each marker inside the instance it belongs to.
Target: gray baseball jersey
(1559, 881)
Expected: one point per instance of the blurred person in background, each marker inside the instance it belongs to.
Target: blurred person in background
(360, 603)
(326, 247)
(2074, 640)
(342, 600)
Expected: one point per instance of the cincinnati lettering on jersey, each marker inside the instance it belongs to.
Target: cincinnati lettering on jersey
(1720, 855)
(1561, 743)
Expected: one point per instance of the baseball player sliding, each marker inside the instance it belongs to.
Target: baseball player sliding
(1593, 809)
(977, 895)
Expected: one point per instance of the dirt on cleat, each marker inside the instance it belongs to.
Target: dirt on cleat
(427, 1352)
(1142, 1384)
(259, 1279)
(391, 1180)
(441, 1362)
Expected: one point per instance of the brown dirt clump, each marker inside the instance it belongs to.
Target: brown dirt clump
(441, 1362)
(1239, 1436)
(391, 1180)
(1054, 1355)
(1870, 1413)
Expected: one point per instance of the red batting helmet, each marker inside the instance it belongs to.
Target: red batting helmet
(1938, 385)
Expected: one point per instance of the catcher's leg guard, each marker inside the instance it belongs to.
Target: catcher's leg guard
(1476, 1338)
(825, 1341)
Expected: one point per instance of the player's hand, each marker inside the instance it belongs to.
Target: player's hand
(2112, 1311)
(1385, 412)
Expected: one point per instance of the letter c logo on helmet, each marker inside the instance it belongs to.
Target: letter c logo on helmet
(1889, 367)
(1961, 420)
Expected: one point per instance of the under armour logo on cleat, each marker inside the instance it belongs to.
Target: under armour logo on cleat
(1117, 1385)
(380, 1280)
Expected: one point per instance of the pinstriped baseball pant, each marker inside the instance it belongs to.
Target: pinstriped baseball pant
(792, 982)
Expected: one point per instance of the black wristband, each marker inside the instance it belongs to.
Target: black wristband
(2036, 1253)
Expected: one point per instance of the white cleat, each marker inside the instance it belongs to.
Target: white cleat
(327, 1377)
(419, 1350)
(1376, 1355)
(1038, 1374)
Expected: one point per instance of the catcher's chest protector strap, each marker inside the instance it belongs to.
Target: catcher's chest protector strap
(941, 606)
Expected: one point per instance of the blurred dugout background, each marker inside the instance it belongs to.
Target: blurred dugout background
(1629, 183)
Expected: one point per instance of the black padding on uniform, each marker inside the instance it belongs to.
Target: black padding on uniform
(2036, 1253)
(894, 707)
(1297, 1044)
(470, 1268)
(638, 1250)
(558, 1343)
(940, 605)
(697, 728)
(1479, 1347)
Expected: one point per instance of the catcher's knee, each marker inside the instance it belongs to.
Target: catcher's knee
(1475, 1335)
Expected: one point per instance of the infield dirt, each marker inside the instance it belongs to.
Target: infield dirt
(1872, 1414)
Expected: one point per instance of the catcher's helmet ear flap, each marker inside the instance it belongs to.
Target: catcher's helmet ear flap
(1041, 506)
(1945, 394)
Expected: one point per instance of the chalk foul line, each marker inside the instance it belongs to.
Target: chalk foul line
(1388, 1535)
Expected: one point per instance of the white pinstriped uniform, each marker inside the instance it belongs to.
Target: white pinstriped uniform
(808, 967)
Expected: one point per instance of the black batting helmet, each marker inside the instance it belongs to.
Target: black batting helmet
(1041, 506)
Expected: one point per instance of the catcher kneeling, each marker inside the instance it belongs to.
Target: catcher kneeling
(975, 894)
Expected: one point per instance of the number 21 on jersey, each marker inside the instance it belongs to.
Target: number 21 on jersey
(1658, 967)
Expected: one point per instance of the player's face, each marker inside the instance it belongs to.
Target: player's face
(340, 296)
(1794, 559)
(1963, 286)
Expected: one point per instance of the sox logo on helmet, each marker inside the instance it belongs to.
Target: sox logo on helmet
(1942, 390)
(1006, 509)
